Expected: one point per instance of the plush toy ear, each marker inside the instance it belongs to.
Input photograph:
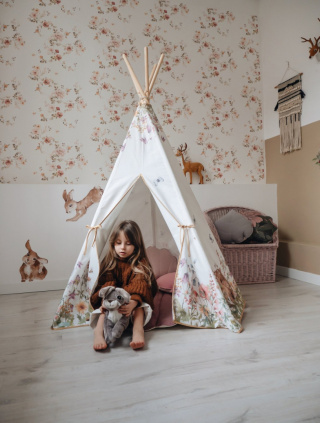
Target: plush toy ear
(126, 296)
(106, 291)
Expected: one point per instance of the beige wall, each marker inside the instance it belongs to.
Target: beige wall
(298, 180)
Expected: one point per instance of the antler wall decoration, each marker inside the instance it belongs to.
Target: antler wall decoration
(315, 48)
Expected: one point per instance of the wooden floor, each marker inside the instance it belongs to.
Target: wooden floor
(268, 373)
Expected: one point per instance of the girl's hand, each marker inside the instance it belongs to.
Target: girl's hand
(127, 309)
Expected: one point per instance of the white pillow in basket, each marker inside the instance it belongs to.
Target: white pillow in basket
(233, 228)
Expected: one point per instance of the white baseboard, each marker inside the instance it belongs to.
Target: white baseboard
(34, 286)
(299, 275)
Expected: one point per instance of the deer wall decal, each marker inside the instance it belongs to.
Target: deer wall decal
(189, 166)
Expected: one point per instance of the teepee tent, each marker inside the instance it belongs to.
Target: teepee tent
(147, 185)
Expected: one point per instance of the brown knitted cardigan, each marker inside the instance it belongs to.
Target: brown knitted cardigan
(123, 276)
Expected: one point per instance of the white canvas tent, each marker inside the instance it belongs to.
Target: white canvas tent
(147, 185)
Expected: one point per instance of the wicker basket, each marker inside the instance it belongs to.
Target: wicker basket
(249, 263)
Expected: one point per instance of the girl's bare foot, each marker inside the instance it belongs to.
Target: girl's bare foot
(137, 339)
(99, 342)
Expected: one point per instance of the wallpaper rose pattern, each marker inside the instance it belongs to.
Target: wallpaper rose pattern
(66, 98)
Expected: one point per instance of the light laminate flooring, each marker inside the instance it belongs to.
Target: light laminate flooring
(268, 373)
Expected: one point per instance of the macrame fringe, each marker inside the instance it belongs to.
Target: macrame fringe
(290, 134)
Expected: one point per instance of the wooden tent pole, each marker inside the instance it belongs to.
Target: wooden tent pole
(133, 76)
(156, 73)
(146, 72)
(152, 72)
(149, 80)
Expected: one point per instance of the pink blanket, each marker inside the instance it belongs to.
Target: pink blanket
(162, 313)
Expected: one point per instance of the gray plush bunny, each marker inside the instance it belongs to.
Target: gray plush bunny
(114, 322)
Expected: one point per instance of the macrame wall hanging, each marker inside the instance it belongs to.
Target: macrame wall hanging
(289, 105)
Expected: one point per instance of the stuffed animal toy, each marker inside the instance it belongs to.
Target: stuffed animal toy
(114, 322)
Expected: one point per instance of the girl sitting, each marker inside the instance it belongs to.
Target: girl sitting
(126, 266)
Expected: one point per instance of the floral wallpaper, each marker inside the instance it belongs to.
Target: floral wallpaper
(66, 98)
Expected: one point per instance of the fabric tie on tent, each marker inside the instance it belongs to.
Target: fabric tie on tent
(144, 101)
(91, 228)
(184, 229)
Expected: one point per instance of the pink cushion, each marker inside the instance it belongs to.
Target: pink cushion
(161, 260)
(164, 265)
(165, 282)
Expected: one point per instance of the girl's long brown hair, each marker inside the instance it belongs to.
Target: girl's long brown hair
(133, 233)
